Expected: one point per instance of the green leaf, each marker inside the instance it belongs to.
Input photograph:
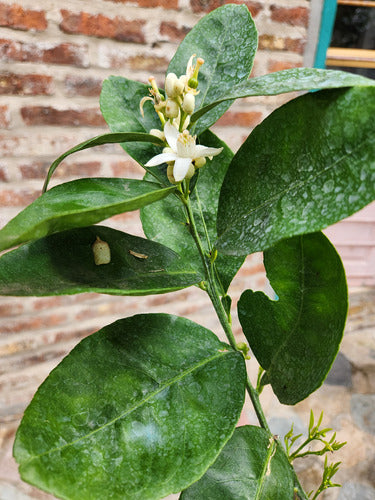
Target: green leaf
(64, 263)
(296, 338)
(289, 80)
(119, 104)
(165, 222)
(251, 467)
(98, 141)
(309, 164)
(79, 203)
(227, 41)
(133, 412)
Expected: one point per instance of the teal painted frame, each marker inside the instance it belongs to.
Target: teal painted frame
(325, 32)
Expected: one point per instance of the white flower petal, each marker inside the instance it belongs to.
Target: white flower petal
(171, 134)
(206, 151)
(180, 168)
(162, 158)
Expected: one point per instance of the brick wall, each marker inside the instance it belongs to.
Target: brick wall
(53, 59)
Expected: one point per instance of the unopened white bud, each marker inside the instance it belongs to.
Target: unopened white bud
(170, 176)
(158, 133)
(200, 162)
(170, 83)
(188, 104)
(191, 171)
(171, 109)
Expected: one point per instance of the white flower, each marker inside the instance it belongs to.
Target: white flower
(182, 151)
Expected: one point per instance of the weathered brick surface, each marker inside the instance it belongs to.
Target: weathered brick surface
(296, 16)
(54, 58)
(4, 116)
(209, 5)
(273, 42)
(11, 83)
(42, 52)
(101, 26)
(76, 85)
(16, 17)
(47, 115)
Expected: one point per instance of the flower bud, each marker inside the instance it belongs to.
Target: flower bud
(158, 133)
(173, 85)
(169, 83)
(171, 179)
(191, 171)
(171, 109)
(188, 104)
(200, 162)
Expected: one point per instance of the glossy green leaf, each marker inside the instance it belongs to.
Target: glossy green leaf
(165, 222)
(309, 164)
(250, 467)
(296, 338)
(119, 104)
(99, 141)
(64, 263)
(289, 80)
(133, 412)
(79, 203)
(227, 41)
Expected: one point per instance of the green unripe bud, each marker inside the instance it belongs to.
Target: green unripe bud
(193, 83)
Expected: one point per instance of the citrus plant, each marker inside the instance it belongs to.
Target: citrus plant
(148, 405)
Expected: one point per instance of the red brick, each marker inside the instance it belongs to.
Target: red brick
(166, 4)
(47, 115)
(82, 86)
(172, 31)
(127, 168)
(208, 5)
(38, 169)
(32, 84)
(12, 198)
(102, 26)
(34, 323)
(148, 63)
(14, 16)
(240, 119)
(3, 178)
(63, 53)
(274, 66)
(271, 42)
(4, 117)
(296, 16)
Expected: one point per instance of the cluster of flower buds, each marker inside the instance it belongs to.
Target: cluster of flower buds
(178, 104)
(182, 155)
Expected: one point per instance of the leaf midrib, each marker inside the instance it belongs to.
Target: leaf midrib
(154, 393)
(296, 323)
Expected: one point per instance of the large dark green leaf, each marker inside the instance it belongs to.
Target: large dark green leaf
(136, 411)
(289, 80)
(296, 338)
(63, 263)
(166, 222)
(227, 41)
(98, 141)
(309, 164)
(250, 467)
(79, 203)
(119, 103)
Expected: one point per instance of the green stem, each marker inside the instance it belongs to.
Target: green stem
(220, 311)
(212, 291)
